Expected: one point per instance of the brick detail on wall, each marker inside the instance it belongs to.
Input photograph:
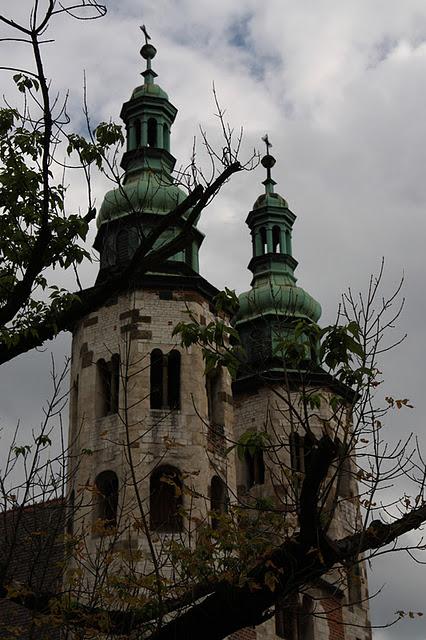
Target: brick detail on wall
(135, 333)
(88, 322)
(132, 315)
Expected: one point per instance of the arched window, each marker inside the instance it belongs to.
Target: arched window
(165, 379)
(254, 468)
(107, 486)
(166, 137)
(156, 376)
(276, 239)
(173, 379)
(218, 499)
(107, 386)
(122, 246)
(137, 133)
(263, 240)
(152, 132)
(294, 620)
(165, 499)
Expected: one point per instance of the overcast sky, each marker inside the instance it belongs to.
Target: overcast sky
(340, 88)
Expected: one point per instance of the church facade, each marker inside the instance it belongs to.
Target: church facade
(152, 432)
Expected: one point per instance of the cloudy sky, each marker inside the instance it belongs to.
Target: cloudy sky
(340, 87)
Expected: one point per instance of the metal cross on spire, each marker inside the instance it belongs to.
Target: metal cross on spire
(265, 139)
(145, 33)
(268, 162)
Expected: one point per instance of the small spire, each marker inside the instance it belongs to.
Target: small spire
(148, 52)
(268, 162)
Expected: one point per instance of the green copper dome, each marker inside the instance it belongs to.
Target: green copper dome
(153, 90)
(278, 299)
(270, 200)
(142, 195)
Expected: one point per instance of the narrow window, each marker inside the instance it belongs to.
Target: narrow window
(210, 392)
(122, 246)
(173, 379)
(255, 468)
(156, 373)
(166, 137)
(287, 619)
(218, 500)
(276, 239)
(165, 380)
(108, 382)
(115, 383)
(165, 496)
(215, 403)
(297, 453)
(107, 486)
(137, 126)
(152, 132)
(263, 241)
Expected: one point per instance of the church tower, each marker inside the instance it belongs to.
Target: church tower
(272, 399)
(147, 429)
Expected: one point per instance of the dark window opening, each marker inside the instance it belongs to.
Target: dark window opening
(156, 376)
(138, 133)
(215, 412)
(297, 453)
(173, 379)
(263, 240)
(294, 620)
(152, 132)
(288, 241)
(122, 246)
(218, 500)
(276, 239)
(165, 495)
(215, 405)
(108, 386)
(287, 619)
(166, 137)
(165, 380)
(107, 486)
(255, 468)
